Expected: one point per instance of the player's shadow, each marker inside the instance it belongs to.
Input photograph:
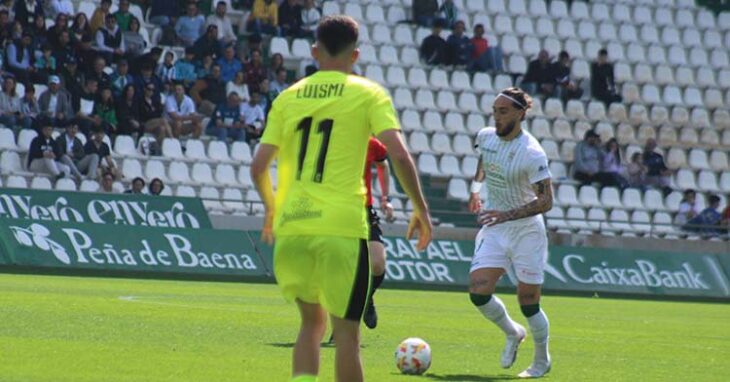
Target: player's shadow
(470, 378)
(291, 345)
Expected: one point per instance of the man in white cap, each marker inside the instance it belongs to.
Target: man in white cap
(55, 104)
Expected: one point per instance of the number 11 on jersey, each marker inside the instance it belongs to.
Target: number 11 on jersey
(325, 128)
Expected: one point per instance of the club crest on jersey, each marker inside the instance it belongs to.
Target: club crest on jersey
(511, 155)
(495, 176)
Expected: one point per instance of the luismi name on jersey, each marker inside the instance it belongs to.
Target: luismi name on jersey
(320, 91)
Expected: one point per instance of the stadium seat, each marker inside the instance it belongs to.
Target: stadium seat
(706, 77)
(573, 46)
(241, 152)
(454, 122)
(7, 139)
(537, 8)
(642, 15)
(211, 198)
(86, 186)
(469, 165)
(482, 82)
(691, 38)
(713, 99)
(631, 199)
(719, 59)
(410, 120)
(427, 165)
(676, 158)
(218, 151)
(551, 149)
(700, 119)
(698, 159)
(596, 111)
(641, 222)
(597, 218)
(439, 79)
(645, 132)
(649, 34)
(552, 44)
(544, 27)
(25, 137)
(553, 108)
(719, 161)
(374, 14)
(638, 114)
(663, 17)
(574, 110)
(41, 183)
(131, 168)
(685, 179)
(502, 81)
(232, 199)
(449, 165)
(677, 55)
(670, 36)
(617, 113)
(463, 145)
(586, 31)
(155, 169)
(396, 14)
(566, 152)
(381, 34)
(375, 73)
(424, 100)
(653, 200)
(707, 181)
(680, 117)
(194, 150)
(432, 121)
(628, 34)
(409, 57)
(685, 18)
(403, 99)
(244, 176)
(517, 64)
(625, 134)
(457, 190)
(225, 175)
(503, 25)
(171, 149)
(178, 172)
(565, 29)
(475, 6)
(567, 196)
(418, 142)
(460, 80)
(588, 196)
(540, 128)
(725, 181)
(441, 144)
(712, 39)
(395, 76)
(65, 184)
(475, 122)
(417, 78)
(609, 198)
(301, 48)
(576, 219)
(279, 45)
(656, 55)
(468, 103)
(685, 76)
(607, 32)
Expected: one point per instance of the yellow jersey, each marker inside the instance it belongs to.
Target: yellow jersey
(321, 126)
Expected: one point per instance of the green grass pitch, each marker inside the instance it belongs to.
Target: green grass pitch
(55, 328)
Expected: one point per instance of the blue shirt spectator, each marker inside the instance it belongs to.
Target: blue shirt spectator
(121, 78)
(185, 68)
(226, 120)
(162, 11)
(229, 64)
(459, 45)
(190, 26)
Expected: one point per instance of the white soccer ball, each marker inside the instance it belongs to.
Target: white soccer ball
(413, 356)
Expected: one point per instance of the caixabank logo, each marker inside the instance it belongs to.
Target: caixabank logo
(37, 235)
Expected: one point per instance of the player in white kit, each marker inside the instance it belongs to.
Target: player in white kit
(513, 238)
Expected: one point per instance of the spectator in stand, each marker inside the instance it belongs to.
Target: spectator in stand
(238, 86)
(204, 67)
(230, 65)
(434, 50)
(264, 18)
(276, 63)
(181, 114)
(55, 104)
(39, 32)
(725, 222)
(226, 120)
(279, 84)
(107, 183)
(80, 28)
(121, 78)
(137, 186)
(134, 43)
(185, 68)
(190, 27)
(96, 145)
(10, 105)
(603, 87)
(425, 12)
(58, 7)
(44, 155)
(148, 77)
(84, 103)
(658, 174)
(156, 187)
(588, 157)
(29, 108)
(611, 166)
(63, 51)
(149, 59)
(123, 16)
(45, 65)
(310, 19)
(151, 112)
(449, 13)
(687, 208)
(483, 57)
(266, 95)
(207, 44)
(109, 42)
(73, 79)
(255, 71)
(254, 118)
(59, 26)
(708, 221)
(166, 69)
(105, 114)
(209, 91)
(98, 18)
(223, 22)
(460, 47)
(637, 171)
(567, 89)
(74, 156)
(290, 18)
(163, 12)
(127, 112)
(97, 72)
(20, 59)
(26, 11)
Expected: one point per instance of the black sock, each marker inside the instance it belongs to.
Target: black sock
(376, 281)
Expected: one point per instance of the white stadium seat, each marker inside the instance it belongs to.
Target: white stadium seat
(610, 198)
(218, 151)
(194, 149)
(155, 169)
(178, 172)
(41, 183)
(427, 165)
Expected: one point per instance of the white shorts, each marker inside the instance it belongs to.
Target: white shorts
(520, 249)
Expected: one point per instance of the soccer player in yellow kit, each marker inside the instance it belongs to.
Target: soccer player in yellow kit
(318, 130)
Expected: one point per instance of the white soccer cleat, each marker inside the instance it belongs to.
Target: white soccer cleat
(537, 369)
(509, 354)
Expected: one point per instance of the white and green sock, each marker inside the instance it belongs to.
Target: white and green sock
(493, 309)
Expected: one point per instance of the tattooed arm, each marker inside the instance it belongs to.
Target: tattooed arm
(544, 202)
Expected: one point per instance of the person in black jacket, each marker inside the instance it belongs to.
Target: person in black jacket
(434, 49)
(207, 44)
(44, 155)
(128, 121)
(73, 154)
(566, 88)
(425, 12)
(97, 146)
(603, 86)
(137, 186)
(539, 77)
(290, 18)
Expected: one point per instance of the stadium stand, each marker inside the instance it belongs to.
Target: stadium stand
(670, 66)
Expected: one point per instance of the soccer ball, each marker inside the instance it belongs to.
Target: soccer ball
(413, 356)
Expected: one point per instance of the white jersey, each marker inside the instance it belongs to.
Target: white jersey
(511, 168)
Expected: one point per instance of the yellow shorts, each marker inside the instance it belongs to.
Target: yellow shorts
(327, 270)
